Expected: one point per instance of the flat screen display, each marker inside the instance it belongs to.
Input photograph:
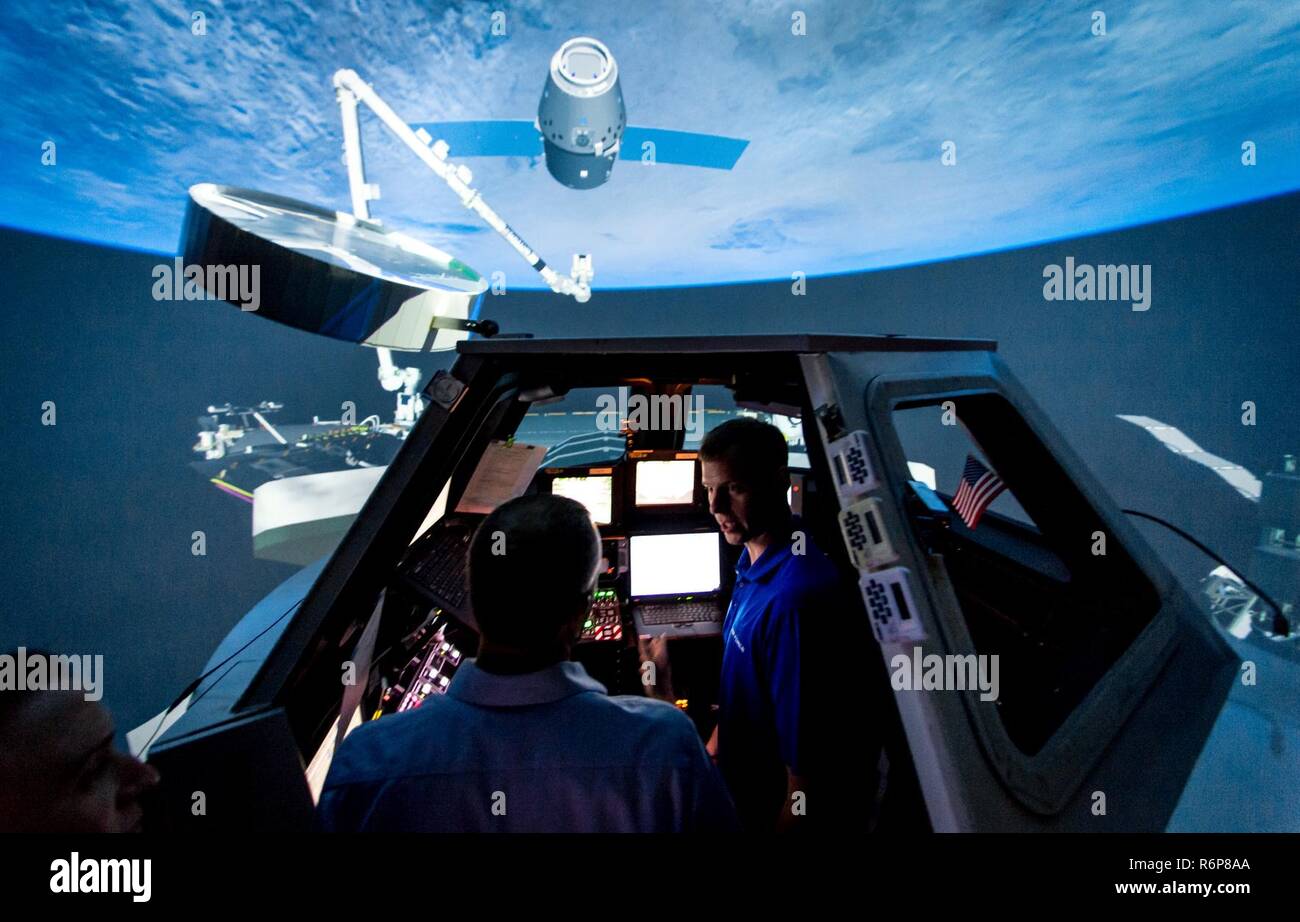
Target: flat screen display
(595, 493)
(674, 564)
(665, 483)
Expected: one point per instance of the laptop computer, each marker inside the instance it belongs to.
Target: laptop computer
(675, 580)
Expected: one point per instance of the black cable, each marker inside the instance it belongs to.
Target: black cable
(1281, 626)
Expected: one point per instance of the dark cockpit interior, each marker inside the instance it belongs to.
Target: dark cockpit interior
(626, 449)
(619, 432)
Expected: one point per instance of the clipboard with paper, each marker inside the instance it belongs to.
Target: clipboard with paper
(505, 471)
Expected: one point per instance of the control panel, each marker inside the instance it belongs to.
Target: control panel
(428, 672)
(606, 619)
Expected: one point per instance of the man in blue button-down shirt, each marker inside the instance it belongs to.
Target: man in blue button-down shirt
(525, 740)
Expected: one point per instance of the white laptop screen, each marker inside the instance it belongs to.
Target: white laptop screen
(674, 564)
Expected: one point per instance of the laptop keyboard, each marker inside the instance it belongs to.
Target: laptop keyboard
(440, 570)
(678, 612)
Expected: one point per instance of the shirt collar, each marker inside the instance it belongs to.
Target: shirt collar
(767, 564)
(488, 689)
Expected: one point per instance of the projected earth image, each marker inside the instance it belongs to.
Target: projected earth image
(878, 134)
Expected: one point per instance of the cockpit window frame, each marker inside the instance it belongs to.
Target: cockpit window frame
(1045, 781)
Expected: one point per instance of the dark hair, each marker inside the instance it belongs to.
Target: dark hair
(532, 566)
(757, 449)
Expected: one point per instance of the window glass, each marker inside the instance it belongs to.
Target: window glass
(1039, 581)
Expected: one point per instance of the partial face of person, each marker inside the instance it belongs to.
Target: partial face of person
(743, 506)
(60, 771)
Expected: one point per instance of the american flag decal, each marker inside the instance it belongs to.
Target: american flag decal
(979, 487)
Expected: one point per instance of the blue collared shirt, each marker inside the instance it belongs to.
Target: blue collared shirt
(763, 699)
(548, 751)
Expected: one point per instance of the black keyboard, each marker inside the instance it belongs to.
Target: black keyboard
(441, 566)
(678, 612)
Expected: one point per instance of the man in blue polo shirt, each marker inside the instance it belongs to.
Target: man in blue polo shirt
(785, 594)
(525, 740)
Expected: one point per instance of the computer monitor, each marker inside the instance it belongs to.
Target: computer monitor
(674, 564)
(595, 493)
(665, 483)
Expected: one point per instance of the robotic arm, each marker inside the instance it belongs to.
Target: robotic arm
(351, 90)
(406, 381)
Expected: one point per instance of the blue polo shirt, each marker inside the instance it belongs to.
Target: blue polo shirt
(763, 701)
(548, 751)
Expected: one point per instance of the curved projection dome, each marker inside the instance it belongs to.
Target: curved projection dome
(876, 137)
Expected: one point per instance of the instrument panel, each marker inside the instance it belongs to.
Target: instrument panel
(650, 493)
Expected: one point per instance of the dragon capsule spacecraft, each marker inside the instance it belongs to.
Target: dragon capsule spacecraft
(581, 115)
